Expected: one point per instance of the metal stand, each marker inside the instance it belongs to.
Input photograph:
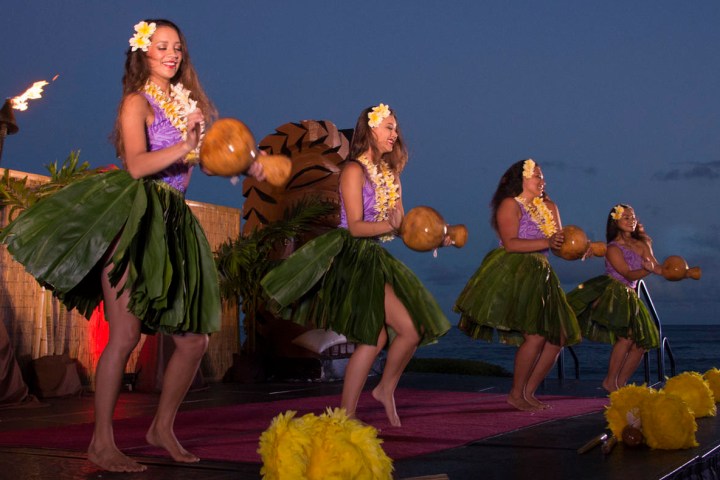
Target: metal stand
(664, 347)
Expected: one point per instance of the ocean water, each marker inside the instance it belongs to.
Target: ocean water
(693, 347)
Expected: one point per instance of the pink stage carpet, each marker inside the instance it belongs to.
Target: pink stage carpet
(432, 421)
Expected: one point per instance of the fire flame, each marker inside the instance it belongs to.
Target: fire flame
(32, 93)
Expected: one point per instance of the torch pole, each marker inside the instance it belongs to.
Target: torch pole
(3, 134)
(8, 126)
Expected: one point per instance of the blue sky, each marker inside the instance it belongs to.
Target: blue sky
(616, 100)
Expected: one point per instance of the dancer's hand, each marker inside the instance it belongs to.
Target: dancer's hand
(195, 121)
(556, 240)
(256, 171)
(395, 219)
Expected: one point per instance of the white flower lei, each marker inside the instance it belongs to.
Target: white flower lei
(540, 214)
(386, 190)
(177, 106)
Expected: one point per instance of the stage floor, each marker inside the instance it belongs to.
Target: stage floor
(543, 451)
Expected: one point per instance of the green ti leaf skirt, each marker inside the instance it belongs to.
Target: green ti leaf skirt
(337, 282)
(515, 294)
(607, 309)
(64, 242)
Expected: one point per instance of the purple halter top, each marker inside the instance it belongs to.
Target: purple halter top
(528, 229)
(633, 260)
(161, 134)
(368, 196)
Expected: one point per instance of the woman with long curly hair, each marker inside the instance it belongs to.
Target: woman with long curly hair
(132, 230)
(515, 292)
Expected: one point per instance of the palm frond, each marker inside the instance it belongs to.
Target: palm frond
(16, 194)
(244, 261)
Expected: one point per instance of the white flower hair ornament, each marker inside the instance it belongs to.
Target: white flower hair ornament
(377, 115)
(617, 212)
(141, 39)
(528, 168)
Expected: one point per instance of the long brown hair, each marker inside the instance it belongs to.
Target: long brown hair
(510, 185)
(363, 140)
(612, 230)
(137, 72)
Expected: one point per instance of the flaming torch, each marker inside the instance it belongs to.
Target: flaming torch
(8, 126)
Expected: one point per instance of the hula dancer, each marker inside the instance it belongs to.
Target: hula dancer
(515, 291)
(358, 289)
(132, 230)
(608, 307)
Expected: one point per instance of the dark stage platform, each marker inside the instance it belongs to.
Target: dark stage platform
(547, 450)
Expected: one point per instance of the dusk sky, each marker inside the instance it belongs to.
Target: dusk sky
(617, 101)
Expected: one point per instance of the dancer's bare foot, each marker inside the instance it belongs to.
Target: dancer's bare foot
(521, 404)
(113, 460)
(609, 386)
(532, 400)
(388, 401)
(166, 439)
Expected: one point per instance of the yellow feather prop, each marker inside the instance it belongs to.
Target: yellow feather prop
(626, 399)
(331, 446)
(712, 377)
(667, 422)
(694, 390)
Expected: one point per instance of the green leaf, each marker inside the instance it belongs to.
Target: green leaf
(291, 280)
(40, 235)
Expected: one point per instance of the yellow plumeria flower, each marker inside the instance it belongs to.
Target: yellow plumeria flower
(617, 212)
(139, 42)
(141, 39)
(378, 114)
(383, 110)
(528, 168)
(145, 29)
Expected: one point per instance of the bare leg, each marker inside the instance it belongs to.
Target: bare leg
(124, 335)
(179, 374)
(618, 358)
(526, 357)
(632, 361)
(357, 371)
(547, 359)
(400, 352)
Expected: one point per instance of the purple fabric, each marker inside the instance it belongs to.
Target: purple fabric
(162, 134)
(368, 196)
(528, 228)
(633, 260)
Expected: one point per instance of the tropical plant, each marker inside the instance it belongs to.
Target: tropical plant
(243, 262)
(18, 195)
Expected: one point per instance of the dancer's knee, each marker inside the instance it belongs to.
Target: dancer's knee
(124, 340)
(192, 344)
(637, 349)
